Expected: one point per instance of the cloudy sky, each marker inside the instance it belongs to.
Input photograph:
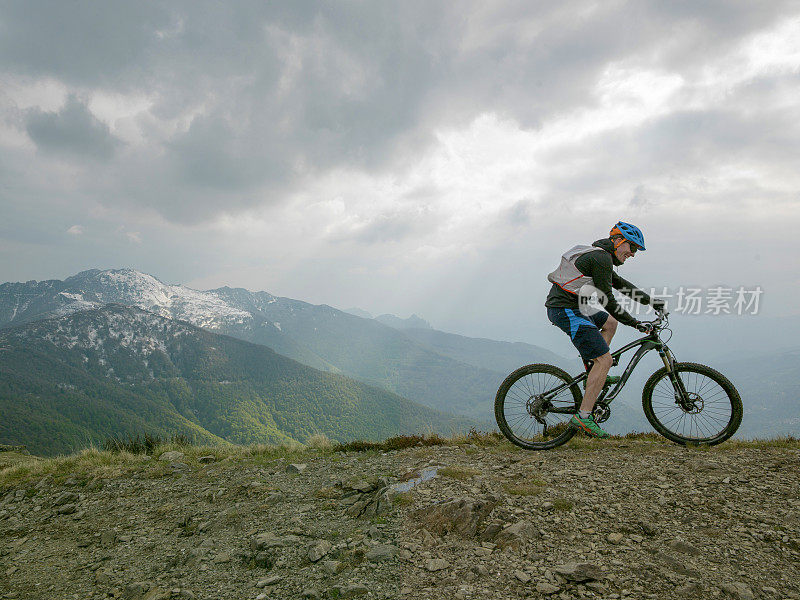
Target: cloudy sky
(428, 157)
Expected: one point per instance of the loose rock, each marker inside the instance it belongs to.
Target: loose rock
(684, 547)
(269, 581)
(547, 588)
(107, 538)
(67, 509)
(319, 550)
(516, 535)
(382, 552)
(66, 498)
(436, 564)
(579, 572)
(738, 590)
(461, 516)
(522, 576)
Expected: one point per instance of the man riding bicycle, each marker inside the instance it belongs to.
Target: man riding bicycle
(586, 269)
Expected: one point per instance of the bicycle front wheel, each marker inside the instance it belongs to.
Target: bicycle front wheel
(529, 420)
(709, 413)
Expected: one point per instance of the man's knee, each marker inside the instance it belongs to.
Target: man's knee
(610, 324)
(604, 361)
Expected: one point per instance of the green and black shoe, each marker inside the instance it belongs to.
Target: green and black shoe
(588, 426)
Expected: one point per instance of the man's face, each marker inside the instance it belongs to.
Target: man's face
(625, 251)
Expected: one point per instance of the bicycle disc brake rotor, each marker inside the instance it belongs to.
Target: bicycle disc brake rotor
(693, 404)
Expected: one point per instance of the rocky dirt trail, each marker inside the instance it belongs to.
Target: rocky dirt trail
(616, 519)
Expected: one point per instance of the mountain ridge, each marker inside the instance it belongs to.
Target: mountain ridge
(120, 370)
(319, 336)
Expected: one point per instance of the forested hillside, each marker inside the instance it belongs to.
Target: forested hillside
(114, 371)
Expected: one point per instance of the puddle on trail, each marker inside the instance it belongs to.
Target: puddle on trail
(424, 475)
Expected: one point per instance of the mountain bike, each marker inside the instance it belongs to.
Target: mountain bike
(687, 403)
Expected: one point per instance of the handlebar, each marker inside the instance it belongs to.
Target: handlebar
(661, 317)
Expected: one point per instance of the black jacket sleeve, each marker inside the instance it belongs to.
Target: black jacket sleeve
(600, 268)
(627, 288)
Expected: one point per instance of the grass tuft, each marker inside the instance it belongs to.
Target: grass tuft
(458, 473)
(145, 444)
(328, 493)
(398, 442)
(320, 441)
(641, 435)
(562, 505)
(531, 488)
(403, 499)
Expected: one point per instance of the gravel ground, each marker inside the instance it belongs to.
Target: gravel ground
(615, 519)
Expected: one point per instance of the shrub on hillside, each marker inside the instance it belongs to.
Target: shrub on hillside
(142, 444)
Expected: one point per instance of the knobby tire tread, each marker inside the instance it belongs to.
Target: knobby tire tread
(733, 396)
(499, 402)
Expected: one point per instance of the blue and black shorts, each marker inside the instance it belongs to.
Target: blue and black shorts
(584, 331)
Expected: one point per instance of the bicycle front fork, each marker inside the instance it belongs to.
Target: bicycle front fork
(668, 358)
(681, 395)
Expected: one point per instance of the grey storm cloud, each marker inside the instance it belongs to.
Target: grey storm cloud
(80, 42)
(283, 92)
(221, 153)
(389, 228)
(73, 130)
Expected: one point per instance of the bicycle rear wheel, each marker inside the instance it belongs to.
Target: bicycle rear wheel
(527, 419)
(710, 414)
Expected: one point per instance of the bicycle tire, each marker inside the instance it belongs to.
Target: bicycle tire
(665, 416)
(513, 398)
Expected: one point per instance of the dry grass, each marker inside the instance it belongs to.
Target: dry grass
(523, 489)
(329, 493)
(82, 466)
(320, 441)
(786, 441)
(560, 504)
(527, 486)
(460, 473)
(16, 468)
(403, 499)
(398, 442)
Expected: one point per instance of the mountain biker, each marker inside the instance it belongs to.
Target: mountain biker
(586, 269)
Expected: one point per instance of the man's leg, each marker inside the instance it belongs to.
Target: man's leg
(608, 329)
(596, 379)
(590, 341)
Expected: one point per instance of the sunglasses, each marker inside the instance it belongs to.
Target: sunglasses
(634, 248)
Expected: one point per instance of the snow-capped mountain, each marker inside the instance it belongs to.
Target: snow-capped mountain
(215, 310)
(92, 289)
(105, 332)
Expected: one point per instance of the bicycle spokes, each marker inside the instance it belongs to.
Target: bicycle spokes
(529, 408)
(698, 411)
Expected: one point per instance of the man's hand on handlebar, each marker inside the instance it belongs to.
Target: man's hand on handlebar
(644, 327)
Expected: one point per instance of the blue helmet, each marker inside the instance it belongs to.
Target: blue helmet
(630, 232)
